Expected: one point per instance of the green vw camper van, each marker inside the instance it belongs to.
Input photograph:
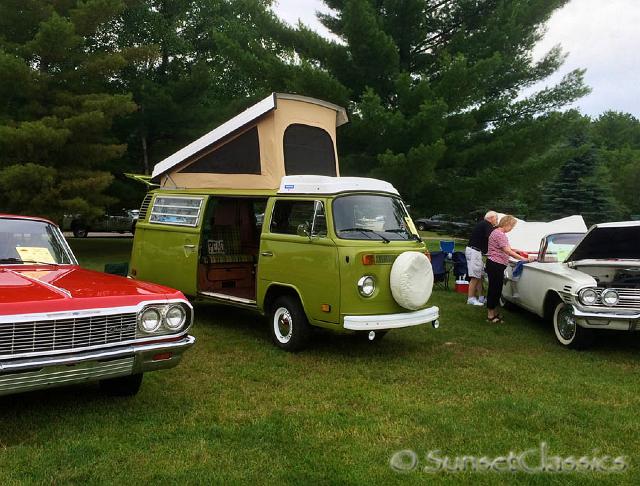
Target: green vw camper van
(236, 220)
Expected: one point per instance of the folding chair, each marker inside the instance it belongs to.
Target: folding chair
(460, 270)
(440, 270)
(448, 247)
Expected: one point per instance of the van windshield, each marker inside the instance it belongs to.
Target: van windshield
(371, 217)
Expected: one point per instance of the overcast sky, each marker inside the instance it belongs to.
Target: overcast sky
(602, 36)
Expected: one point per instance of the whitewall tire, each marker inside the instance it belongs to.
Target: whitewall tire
(288, 324)
(568, 332)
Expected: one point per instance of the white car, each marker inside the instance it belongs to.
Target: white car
(582, 282)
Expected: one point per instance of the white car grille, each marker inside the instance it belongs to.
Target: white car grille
(19, 338)
(629, 298)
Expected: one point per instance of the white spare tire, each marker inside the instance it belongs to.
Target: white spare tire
(411, 280)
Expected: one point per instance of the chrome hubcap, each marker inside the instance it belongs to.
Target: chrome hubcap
(566, 323)
(283, 325)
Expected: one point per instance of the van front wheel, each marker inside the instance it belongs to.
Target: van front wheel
(288, 326)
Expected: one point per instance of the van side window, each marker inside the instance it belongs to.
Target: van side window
(180, 211)
(288, 215)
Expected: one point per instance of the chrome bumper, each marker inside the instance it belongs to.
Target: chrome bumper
(608, 319)
(391, 321)
(26, 374)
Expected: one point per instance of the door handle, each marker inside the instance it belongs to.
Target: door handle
(266, 253)
(188, 250)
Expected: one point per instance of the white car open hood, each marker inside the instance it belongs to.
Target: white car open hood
(609, 241)
(526, 235)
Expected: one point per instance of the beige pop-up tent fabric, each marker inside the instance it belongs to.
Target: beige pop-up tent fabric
(281, 135)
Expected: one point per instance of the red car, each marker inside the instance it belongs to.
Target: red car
(61, 324)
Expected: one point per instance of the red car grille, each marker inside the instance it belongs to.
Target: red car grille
(58, 335)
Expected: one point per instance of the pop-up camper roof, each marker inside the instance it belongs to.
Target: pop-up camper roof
(281, 135)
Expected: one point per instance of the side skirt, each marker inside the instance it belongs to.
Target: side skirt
(228, 300)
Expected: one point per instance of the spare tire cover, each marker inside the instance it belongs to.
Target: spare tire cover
(411, 280)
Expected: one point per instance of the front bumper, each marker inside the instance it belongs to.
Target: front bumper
(26, 374)
(391, 321)
(608, 319)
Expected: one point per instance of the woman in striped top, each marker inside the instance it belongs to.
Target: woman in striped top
(497, 260)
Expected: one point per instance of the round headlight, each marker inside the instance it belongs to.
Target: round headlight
(175, 317)
(366, 286)
(150, 320)
(610, 297)
(588, 296)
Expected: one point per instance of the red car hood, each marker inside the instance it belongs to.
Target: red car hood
(43, 289)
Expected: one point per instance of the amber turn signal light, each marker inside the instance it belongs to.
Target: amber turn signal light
(368, 259)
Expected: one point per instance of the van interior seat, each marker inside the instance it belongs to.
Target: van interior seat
(224, 246)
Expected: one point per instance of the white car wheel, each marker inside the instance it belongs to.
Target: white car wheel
(411, 280)
(568, 332)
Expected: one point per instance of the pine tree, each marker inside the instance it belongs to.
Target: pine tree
(436, 88)
(92, 88)
(582, 185)
(56, 108)
(194, 64)
(617, 137)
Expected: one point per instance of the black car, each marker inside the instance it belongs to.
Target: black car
(442, 223)
(121, 222)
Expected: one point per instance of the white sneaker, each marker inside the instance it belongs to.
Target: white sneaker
(482, 299)
(474, 301)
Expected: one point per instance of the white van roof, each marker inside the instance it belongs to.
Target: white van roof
(313, 184)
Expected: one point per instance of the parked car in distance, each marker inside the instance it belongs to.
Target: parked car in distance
(61, 324)
(441, 222)
(582, 283)
(120, 222)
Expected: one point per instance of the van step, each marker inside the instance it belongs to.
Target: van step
(229, 298)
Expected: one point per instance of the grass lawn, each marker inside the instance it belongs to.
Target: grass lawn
(238, 410)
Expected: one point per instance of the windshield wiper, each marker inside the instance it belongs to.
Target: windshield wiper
(18, 260)
(366, 230)
(412, 236)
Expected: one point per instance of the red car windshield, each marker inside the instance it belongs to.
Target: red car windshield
(24, 241)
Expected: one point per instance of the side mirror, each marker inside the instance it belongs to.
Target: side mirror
(304, 230)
